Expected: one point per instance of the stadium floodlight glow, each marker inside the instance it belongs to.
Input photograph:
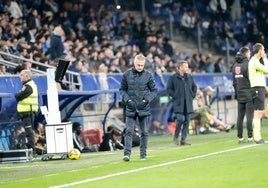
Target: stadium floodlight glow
(118, 7)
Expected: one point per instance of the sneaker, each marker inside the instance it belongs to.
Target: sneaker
(229, 127)
(143, 159)
(250, 140)
(175, 140)
(242, 141)
(126, 158)
(184, 143)
(213, 130)
(261, 141)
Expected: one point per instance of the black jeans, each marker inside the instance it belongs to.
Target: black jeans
(27, 122)
(248, 110)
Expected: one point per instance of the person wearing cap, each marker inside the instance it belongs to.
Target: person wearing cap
(182, 89)
(243, 94)
(257, 67)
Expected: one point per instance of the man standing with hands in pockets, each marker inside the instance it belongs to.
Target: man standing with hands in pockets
(182, 90)
(137, 89)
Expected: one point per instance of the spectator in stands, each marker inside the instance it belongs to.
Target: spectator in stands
(56, 44)
(114, 66)
(78, 141)
(170, 67)
(202, 63)
(188, 23)
(219, 66)
(194, 63)
(78, 66)
(253, 31)
(219, 9)
(208, 68)
(146, 27)
(257, 66)
(40, 139)
(13, 8)
(236, 10)
(213, 34)
(168, 47)
(3, 70)
(30, 35)
(85, 57)
(112, 141)
(182, 89)
(33, 19)
(108, 55)
(137, 89)
(27, 99)
(243, 94)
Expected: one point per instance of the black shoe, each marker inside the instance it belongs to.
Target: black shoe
(184, 143)
(261, 141)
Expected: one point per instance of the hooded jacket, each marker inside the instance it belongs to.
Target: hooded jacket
(241, 81)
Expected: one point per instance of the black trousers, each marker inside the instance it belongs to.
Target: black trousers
(248, 110)
(27, 122)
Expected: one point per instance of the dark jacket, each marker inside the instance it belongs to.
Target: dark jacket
(180, 90)
(25, 92)
(109, 143)
(137, 86)
(241, 81)
(56, 47)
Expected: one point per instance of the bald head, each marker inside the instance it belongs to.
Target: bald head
(25, 75)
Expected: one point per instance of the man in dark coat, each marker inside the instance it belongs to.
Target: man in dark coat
(137, 89)
(243, 93)
(182, 90)
(56, 46)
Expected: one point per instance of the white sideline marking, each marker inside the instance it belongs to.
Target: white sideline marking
(153, 166)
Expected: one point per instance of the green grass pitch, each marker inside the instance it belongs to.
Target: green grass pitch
(212, 161)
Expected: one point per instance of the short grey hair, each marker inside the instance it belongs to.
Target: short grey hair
(140, 57)
(180, 62)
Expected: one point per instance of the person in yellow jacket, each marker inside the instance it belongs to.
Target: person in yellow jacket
(27, 99)
(257, 67)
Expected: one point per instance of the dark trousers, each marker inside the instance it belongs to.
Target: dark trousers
(27, 123)
(182, 125)
(130, 124)
(248, 110)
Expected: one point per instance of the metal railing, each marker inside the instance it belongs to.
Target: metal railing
(72, 79)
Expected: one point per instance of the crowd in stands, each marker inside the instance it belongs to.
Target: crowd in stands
(44, 31)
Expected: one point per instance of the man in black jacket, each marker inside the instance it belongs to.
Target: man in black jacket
(182, 90)
(243, 93)
(27, 99)
(137, 89)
